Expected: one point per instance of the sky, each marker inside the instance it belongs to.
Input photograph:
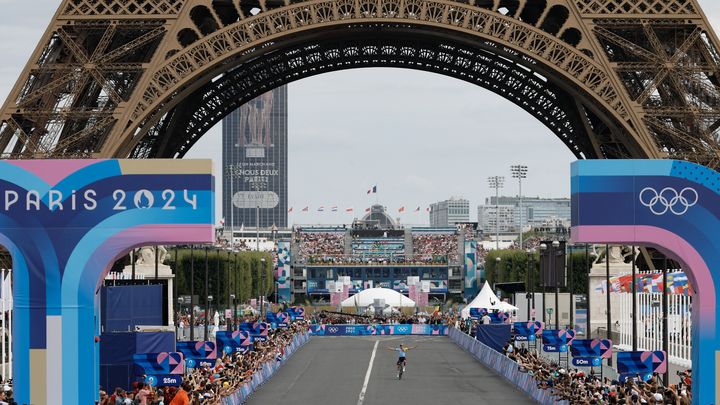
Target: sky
(420, 137)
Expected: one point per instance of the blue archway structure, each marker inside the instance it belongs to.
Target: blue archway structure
(65, 222)
(673, 206)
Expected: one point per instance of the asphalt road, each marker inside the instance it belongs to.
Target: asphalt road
(332, 371)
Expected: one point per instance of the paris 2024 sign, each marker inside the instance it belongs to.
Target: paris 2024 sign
(675, 207)
(65, 222)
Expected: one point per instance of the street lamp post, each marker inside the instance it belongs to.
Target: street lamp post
(262, 288)
(530, 288)
(520, 172)
(180, 301)
(496, 182)
(207, 321)
(192, 293)
(497, 270)
(556, 245)
(207, 294)
(230, 322)
(543, 252)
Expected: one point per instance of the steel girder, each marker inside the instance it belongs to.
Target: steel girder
(114, 78)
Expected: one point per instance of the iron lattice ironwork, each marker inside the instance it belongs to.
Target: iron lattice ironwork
(147, 78)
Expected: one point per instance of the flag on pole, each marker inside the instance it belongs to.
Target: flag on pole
(417, 209)
(334, 208)
(222, 221)
(349, 209)
(427, 209)
(367, 209)
(321, 208)
(306, 209)
(372, 190)
(401, 209)
(290, 209)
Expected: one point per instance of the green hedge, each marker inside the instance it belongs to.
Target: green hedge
(242, 270)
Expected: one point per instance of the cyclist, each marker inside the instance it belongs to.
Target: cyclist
(402, 357)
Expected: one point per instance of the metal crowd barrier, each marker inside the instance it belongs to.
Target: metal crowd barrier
(505, 367)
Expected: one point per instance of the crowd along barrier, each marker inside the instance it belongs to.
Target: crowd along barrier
(371, 330)
(505, 367)
(268, 370)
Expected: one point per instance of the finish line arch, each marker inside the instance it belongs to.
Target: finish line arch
(146, 78)
(65, 222)
(673, 206)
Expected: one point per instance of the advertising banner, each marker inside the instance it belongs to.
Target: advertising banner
(471, 270)
(641, 362)
(278, 320)
(296, 313)
(258, 330)
(282, 273)
(158, 363)
(601, 348)
(555, 340)
(65, 222)
(198, 354)
(372, 330)
(233, 341)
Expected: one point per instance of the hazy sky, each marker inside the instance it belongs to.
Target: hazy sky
(421, 137)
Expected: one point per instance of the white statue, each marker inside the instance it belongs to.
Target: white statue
(146, 255)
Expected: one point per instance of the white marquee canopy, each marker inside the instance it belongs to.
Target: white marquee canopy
(367, 297)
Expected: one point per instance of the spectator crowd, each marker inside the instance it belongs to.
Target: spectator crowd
(207, 386)
(587, 388)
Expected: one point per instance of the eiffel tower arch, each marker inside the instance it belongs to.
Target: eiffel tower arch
(147, 78)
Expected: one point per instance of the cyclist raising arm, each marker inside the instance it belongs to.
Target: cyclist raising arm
(402, 357)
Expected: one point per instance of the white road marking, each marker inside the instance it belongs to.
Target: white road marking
(361, 398)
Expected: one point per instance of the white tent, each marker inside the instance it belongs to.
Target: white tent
(367, 297)
(507, 307)
(486, 298)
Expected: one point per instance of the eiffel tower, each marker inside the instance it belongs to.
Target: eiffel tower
(147, 78)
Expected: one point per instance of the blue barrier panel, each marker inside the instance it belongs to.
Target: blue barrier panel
(494, 336)
(504, 366)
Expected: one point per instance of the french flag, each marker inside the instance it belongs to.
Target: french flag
(373, 190)
(321, 208)
(306, 209)
(334, 208)
(290, 209)
(349, 209)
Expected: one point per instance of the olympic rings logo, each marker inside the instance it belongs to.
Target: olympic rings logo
(668, 199)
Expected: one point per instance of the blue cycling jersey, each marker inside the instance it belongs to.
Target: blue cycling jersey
(401, 352)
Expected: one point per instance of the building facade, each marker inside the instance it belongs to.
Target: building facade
(490, 217)
(255, 158)
(450, 212)
(535, 212)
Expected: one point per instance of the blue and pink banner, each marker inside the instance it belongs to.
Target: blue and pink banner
(673, 206)
(282, 271)
(367, 330)
(165, 363)
(471, 270)
(642, 364)
(65, 222)
(233, 341)
(197, 354)
(258, 330)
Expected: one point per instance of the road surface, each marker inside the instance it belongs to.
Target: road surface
(334, 371)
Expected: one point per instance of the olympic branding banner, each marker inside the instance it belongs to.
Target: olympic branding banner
(258, 330)
(164, 363)
(282, 273)
(368, 330)
(296, 313)
(233, 341)
(673, 206)
(65, 222)
(642, 364)
(197, 354)
(471, 269)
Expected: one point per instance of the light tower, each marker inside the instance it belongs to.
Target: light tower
(496, 182)
(519, 172)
